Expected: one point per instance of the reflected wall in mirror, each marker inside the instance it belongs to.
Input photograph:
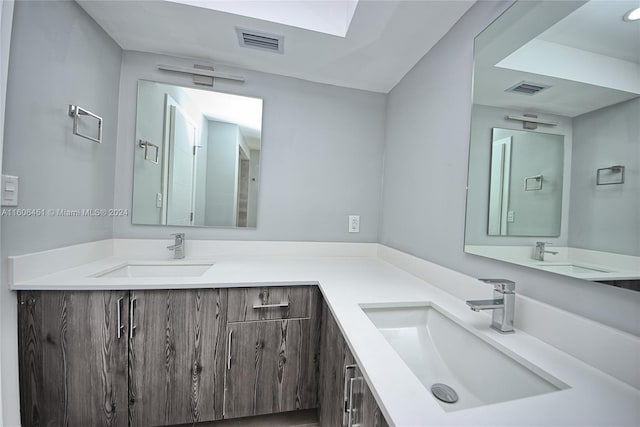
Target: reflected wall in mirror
(525, 190)
(575, 67)
(197, 157)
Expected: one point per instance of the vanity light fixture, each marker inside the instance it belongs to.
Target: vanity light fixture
(632, 15)
(202, 74)
(530, 121)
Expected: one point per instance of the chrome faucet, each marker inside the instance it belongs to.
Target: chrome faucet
(178, 246)
(540, 250)
(502, 304)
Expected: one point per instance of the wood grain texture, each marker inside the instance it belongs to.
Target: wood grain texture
(176, 358)
(334, 382)
(301, 299)
(334, 357)
(72, 365)
(366, 412)
(272, 369)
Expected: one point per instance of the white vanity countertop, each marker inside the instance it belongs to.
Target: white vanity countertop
(594, 398)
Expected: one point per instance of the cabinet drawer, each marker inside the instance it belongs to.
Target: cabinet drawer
(270, 303)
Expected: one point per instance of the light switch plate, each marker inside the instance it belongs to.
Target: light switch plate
(354, 223)
(510, 216)
(9, 190)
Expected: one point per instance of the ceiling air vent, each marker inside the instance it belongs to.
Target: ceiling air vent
(527, 88)
(262, 41)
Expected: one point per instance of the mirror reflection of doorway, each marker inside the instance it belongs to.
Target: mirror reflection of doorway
(243, 188)
(180, 163)
(206, 171)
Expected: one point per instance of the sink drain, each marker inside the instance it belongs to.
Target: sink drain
(444, 393)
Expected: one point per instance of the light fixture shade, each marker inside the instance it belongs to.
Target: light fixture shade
(632, 15)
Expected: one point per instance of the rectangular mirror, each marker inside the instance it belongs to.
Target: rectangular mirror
(197, 157)
(565, 77)
(525, 190)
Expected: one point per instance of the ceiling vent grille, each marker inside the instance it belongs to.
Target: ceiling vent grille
(262, 41)
(527, 88)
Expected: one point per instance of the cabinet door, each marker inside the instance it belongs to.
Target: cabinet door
(336, 366)
(176, 357)
(271, 367)
(73, 365)
(345, 398)
(362, 406)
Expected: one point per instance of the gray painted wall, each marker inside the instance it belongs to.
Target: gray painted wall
(484, 118)
(7, 301)
(321, 156)
(425, 175)
(607, 217)
(56, 168)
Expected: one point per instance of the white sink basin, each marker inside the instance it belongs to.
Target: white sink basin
(157, 270)
(569, 268)
(438, 349)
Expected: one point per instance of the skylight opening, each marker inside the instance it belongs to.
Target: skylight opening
(329, 17)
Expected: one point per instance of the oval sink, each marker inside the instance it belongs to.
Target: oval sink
(438, 350)
(157, 270)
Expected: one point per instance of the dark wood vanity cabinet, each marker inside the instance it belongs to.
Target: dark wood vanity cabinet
(345, 398)
(119, 358)
(363, 408)
(167, 357)
(176, 356)
(73, 358)
(273, 337)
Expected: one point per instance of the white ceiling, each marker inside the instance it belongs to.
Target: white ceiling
(598, 27)
(384, 41)
(585, 52)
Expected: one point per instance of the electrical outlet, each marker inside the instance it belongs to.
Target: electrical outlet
(354, 223)
(158, 200)
(511, 216)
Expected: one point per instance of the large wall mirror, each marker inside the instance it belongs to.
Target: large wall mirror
(197, 157)
(554, 179)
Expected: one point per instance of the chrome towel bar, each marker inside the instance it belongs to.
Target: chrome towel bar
(75, 112)
(536, 186)
(615, 169)
(146, 144)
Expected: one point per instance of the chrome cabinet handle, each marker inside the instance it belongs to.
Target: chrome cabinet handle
(350, 410)
(345, 394)
(132, 311)
(229, 351)
(120, 325)
(281, 305)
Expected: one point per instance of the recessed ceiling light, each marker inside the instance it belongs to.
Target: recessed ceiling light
(632, 15)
